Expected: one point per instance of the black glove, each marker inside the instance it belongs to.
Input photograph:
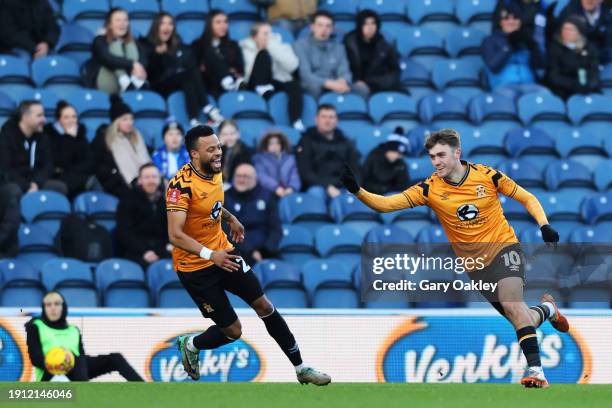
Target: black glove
(549, 235)
(349, 180)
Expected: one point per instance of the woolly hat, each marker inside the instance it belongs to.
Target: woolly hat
(172, 123)
(397, 142)
(118, 107)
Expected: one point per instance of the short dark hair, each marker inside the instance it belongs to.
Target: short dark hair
(60, 106)
(322, 13)
(24, 107)
(448, 137)
(144, 167)
(192, 136)
(325, 106)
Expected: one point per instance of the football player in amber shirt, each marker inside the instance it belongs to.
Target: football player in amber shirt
(208, 265)
(464, 197)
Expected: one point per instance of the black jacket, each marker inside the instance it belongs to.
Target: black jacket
(382, 177)
(72, 158)
(106, 169)
(216, 63)
(239, 154)
(563, 68)
(102, 57)
(599, 34)
(320, 161)
(257, 211)
(10, 217)
(378, 67)
(25, 23)
(142, 225)
(160, 67)
(15, 156)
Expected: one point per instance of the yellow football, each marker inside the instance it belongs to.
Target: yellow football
(59, 361)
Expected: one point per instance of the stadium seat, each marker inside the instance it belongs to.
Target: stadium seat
(141, 13)
(351, 212)
(606, 79)
(331, 240)
(73, 279)
(419, 169)
(75, 42)
(237, 9)
(421, 44)
(457, 77)
(98, 206)
(578, 141)
(435, 15)
(593, 107)
(88, 13)
(303, 207)
(597, 208)
(386, 237)
(330, 284)
(7, 107)
(567, 173)
(473, 141)
(296, 245)
(177, 108)
(388, 10)
(342, 10)
(293, 135)
(541, 106)
(513, 210)
(243, 104)
(477, 14)
(36, 245)
(45, 208)
(530, 143)
(432, 235)
(603, 175)
(47, 97)
(166, 287)
(189, 16)
(368, 137)
(593, 234)
(417, 137)
(492, 106)
(282, 283)
(122, 284)
(14, 70)
(523, 171)
(239, 30)
(89, 103)
(415, 78)
(21, 284)
(54, 71)
(387, 106)
(277, 106)
(145, 103)
(559, 206)
(190, 29)
(442, 107)
(464, 43)
(348, 106)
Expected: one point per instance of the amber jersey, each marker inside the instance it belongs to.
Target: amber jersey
(201, 197)
(469, 211)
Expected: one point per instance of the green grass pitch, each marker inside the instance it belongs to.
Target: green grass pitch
(267, 395)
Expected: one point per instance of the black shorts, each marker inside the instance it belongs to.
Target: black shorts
(509, 262)
(207, 289)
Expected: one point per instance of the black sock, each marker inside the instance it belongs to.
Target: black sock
(278, 329)
(543, 312)
(528, 341)
(212, 338)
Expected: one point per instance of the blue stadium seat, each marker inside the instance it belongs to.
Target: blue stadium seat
(433, 234)
(277, 106)
(7, 107)
(237, 9)
(293, 135)
(55, 71)
(603, 175)
(36, 245)
(348, 106)
(588, 233)
(296, 245)
(243, 104)
(47, 97)
(463, 42)
(351, 212)
(177, 108)
(523, 171)
(186, 9)
(574, 141)
(422, 44)
(513, 210)
(251, 130)
(21, 284)
(98, 206)
(73, 279)
(331, 240)
(302, 207)
(593, 107)
(436, 15)
(476, 13)
(474, 141)
(14, 70)
(282, 283)
(166, 287)
(605, 77)
(530, 142)
(75, 42)
(438, 107)
(89, 103)
(145, 104)
(330, 284)
(386, 107)
(561, 206)
(239, 30)
(141, 13)
(567, 173)
(545, 270)
(388, 10)
(286, 35)
(417, 137)
(342, 10)
(122, 283)
(415, 78)
(385, 236)
(45, 208)
(369, 137)
(419, 168)
(597, 208)
(88, 13)
(492, 106)
(541, 106)
(457, 77)
(189, 29)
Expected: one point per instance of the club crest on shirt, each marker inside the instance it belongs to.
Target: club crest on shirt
(480, 191)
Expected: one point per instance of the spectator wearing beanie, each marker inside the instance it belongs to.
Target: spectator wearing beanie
(172, 155)
(573, 63)
(72, 157)
(385, 170)
(119, 149)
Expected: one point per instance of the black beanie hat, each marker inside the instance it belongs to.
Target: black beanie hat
(118, 107)
(397, 142)
(172, 123)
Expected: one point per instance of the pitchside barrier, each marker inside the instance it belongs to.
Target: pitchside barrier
(416, 345)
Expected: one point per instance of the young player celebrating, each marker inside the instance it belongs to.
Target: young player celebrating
(207, 263)
(464, 197)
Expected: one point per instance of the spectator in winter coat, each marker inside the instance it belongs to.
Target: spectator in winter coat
(373, 61)
(117, 63)
(269, 65)
(256, 209)
(276, 166)
(235, 152)
(141, 219)
(171, 67)
(72, 158)
(172, 155)
(10, 217)
(218, 56)
(385, 170)
(28, 25)
(322, 152)
(573, 63)
(323, 63)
